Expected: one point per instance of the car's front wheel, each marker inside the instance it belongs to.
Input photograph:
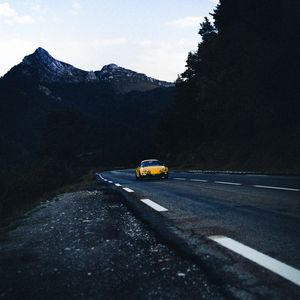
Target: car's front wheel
(138, 177)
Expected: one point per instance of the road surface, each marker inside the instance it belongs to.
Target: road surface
(252, 215)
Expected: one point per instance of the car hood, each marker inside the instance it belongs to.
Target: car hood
(153, 168)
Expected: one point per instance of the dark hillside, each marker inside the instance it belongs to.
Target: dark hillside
(52, 132)
(112, 119)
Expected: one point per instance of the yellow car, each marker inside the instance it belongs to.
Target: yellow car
(151, 168)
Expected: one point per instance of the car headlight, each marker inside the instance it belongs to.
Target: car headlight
(145, 172)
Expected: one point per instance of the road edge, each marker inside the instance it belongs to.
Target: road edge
(234, 277)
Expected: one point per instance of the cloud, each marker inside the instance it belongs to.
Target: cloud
(9, 16)
(109, 42)
(163, 60)
(151, 64)
(76, 8)
(36, 7)
(186, 22)
(146, 43)
(6, 10)
(76, 5)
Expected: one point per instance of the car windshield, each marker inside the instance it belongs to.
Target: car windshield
(150, 163)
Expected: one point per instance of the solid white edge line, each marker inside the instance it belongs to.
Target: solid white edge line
(177, 178)
(274, 265)
(99, 175)
(229, 183)
(118, 184)
(276, 188)
(128, 190)
(154, 205)
(199, 180)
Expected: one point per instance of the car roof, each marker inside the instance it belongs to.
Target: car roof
(154, 159)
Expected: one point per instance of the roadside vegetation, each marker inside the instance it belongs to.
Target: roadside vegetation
(23, 187)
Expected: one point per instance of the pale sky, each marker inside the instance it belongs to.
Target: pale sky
(147, 36)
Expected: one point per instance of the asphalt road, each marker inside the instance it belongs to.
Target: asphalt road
(259, 211)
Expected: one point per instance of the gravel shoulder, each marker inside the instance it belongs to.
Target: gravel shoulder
(88, 245)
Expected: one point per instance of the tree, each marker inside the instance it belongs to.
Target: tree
(239, 90)
(207, 30)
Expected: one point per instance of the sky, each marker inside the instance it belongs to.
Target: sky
(147, 36)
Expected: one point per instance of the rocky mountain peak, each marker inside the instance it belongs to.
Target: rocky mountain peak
(46, 69)
(125, 80)
(111, 67)
(40, 55)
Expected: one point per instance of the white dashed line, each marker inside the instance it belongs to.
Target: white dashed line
(226, 182)
(199, 180)
(276, 188)
(110, 182)
(261, 259)
(117, 184)
(177, 178)
(154, 205)
(128, 190)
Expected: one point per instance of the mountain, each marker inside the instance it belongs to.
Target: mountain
(42, 67)
(125, 80)
(43, 101)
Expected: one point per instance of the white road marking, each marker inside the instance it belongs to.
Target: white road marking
(226, 182)
(154, 205)
(200, 180)
(99, 175)
(110, 182)
(276, 188)
(261, 259)
(128, 190)
(124, 173)
(105, 179)
(118, 184)
(177, 178)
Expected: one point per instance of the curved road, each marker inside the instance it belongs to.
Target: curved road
(258, 211)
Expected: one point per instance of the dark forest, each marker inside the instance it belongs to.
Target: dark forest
(237, 103)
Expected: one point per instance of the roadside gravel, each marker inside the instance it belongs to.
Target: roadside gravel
(87, 245)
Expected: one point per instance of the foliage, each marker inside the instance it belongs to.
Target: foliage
(23, 185)
(240, 88)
